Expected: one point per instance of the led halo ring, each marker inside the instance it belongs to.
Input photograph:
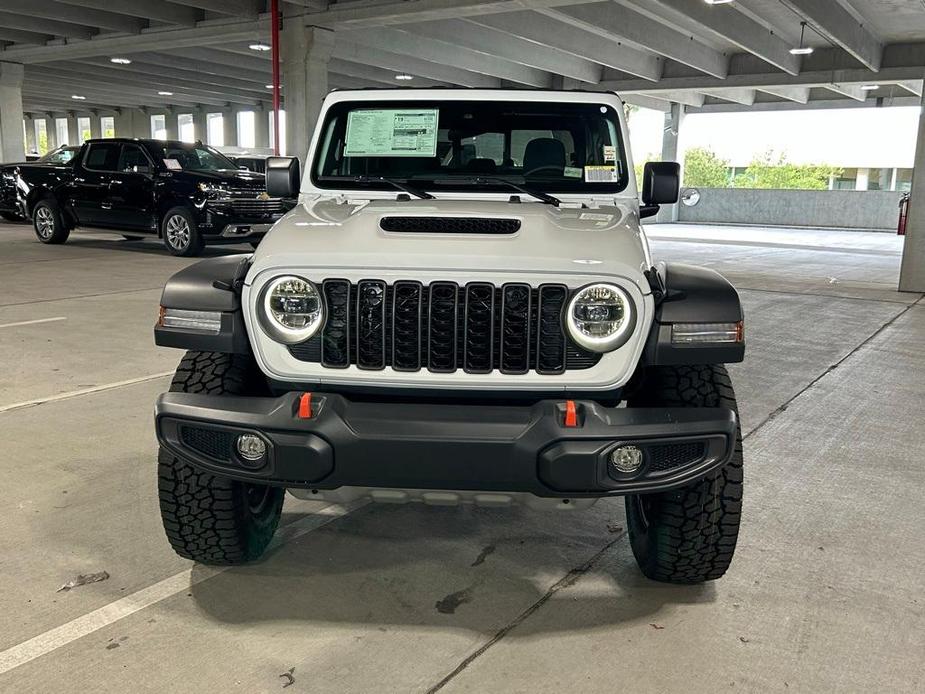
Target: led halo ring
(277, 330)
(609, 342)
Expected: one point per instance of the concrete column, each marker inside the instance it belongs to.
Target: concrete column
(172, 124)
(230, 127)
(31, 144)
(12, 142)
(885, 178)
(305, 55)
(51, 131)
(201, 125)
(671, 151)
(912, 271)
(261, 128)
(73, 130)
(863, 180)
(894, 175)
(96, 127)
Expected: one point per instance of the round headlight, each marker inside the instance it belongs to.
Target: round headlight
(600, 317)
(291, 309)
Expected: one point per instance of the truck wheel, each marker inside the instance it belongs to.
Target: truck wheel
(207, 518)
(48, 223)
(180, 233)
(688, 535)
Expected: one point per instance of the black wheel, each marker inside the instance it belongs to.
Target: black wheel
(12, 217)
(180, 232)
(207, 518)
(688, 535)
(48, 223)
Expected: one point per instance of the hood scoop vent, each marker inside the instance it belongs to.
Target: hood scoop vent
(450, 225)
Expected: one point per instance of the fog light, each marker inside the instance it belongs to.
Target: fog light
(626, 459)
(251, 447)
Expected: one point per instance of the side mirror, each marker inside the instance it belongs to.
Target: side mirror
(283, 177)
(661, 185)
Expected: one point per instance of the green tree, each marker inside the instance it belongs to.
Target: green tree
(773, 171)
(704, 169)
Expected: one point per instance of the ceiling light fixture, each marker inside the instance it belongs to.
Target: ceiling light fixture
(165, 93)
(802, 50)
(718, 2)
(120, 61)
(869, 87)
(78, 97)
(259, 47)
(404, 76)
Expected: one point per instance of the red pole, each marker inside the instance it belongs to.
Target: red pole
(274, 44)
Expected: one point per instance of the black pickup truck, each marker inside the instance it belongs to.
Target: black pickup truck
(188, 195)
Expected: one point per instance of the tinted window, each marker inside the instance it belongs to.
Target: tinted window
(132, 157)
(103, 157)
(62, 155)
(197, 158)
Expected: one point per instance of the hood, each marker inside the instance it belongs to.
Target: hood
(348, 235)
(235, 178)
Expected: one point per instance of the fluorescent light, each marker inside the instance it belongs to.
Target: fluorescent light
(120, 61)
(165, 93)
(717, 2)
(802, 50)
(403, 76)
(259, 47)
(78, 97)
(869, 87)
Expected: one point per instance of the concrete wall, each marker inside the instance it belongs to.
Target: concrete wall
(844, 209)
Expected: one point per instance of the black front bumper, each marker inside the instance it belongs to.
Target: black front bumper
(446, 447)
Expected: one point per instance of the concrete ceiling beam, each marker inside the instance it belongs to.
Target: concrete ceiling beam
(799, 95)
(841, 27)
(46, 9)
(547, 31)
(146, 9)
(609, 20)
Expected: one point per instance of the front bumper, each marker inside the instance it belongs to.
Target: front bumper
(529, 449)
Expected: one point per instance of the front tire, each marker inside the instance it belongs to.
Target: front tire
(208, 518)
(181, 233)
(48, 223)
(688, 535)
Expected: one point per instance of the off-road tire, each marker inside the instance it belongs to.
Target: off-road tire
(208, 518)
(688, 535)
(48, 222)
(186, 244)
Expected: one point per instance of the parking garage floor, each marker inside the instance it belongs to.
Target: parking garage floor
(825, 593)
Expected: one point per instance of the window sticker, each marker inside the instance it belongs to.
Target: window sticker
(392, 133)
(610, 153)
(572, 172)
(172, 165)
(601, 174)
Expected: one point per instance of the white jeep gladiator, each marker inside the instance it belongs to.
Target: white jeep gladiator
(462, 308)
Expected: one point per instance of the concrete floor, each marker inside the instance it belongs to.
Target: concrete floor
(825, 593)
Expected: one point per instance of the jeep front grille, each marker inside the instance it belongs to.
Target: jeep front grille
(450, 225)
(444, 327)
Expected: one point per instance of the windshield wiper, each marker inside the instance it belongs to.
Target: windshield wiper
(394, 182)
(519, 187)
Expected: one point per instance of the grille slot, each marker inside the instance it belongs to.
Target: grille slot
(444, 327)
(450, 225)
(209, 442)
(671, 455)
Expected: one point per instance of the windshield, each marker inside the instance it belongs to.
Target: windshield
(195, 158)
(62, 155)
(455, 145)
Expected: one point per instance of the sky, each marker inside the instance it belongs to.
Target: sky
(859, 137)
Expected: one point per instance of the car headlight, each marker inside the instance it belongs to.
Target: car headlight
(291, 309)
(600, 317)
(212, 191)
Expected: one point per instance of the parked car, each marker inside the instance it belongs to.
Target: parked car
(465, 310)
(189, 195)
(251, 163)
(10, 208)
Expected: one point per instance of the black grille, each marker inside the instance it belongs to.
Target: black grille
(443, 327)
(208, 442)
(672, 455)
(450, 225)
